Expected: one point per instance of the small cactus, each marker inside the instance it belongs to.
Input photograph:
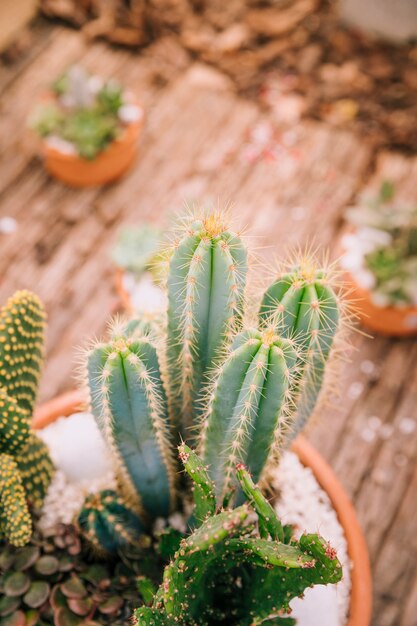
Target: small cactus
(303, 306)
(15, 520)
(249, 404)
(225, 572)
(206, 282)
(129, 403)
(107, 523)
(22, 326)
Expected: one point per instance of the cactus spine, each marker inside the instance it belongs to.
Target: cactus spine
(206, 285)
(107, 523)
(303, 306)
(249, 405)
(22, 324)
(129, 403)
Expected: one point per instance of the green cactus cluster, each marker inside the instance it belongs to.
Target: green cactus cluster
(26, 468)
(233, 571)
(234, 384)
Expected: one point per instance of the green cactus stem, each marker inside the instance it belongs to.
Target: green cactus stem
(203, 490)
(206, 283)
(15, 519)
(249, 406)
(269, 523)
(224, 573)
(14, 424)
(302, 305)
(22, 326)
(129, 403)
(22, 329)
(108, 524)
(36, 469)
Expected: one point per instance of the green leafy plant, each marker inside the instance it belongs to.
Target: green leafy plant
(382, 250)
(82, 113)
(25, 467)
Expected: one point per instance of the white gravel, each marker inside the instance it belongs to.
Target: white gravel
(144, 294)
(78, 451)
(307, 507)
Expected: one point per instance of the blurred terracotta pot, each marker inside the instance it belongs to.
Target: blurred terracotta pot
(360, 609)
(106, 167)
(390, 321)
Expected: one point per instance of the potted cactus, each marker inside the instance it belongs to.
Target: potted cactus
(194, 408)
(380, 258)
(137, 279)
(88, 128)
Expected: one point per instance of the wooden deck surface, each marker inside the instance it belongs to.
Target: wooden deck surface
(197, 146)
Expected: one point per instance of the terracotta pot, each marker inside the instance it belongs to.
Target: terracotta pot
(122, 293)
(108, 165)
(361, 592)
(390, 321)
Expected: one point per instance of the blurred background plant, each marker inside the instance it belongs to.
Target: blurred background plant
(84, 114)
(381, 251)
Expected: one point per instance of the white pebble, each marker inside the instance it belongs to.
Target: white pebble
(8, 225)
(63, 146)
(407, 425)
(368, 435)
(130, 113)
(355, 390)
(367, 367)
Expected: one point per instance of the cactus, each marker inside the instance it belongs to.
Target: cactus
(107, 523)
(224, 572)
(249, 405)
(302, 305)
(15, 520)
(206, 283)
(129, 403)
(22, 325)
(238, 393)
(22, 328)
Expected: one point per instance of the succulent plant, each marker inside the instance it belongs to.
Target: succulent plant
(107, 523)
(381, 252)
(129, 402)
(206, 285)
(302, 305)
(53, 581)
(84, 114)
(249, 405)
(136, 248)
(26, 466)
(231, 571)
(237, 392)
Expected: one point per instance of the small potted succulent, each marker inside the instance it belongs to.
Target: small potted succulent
(88, 127)
(380, 258)
(193, 409)
(137, 277)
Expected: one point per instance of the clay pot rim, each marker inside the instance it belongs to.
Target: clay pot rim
(360, 608)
